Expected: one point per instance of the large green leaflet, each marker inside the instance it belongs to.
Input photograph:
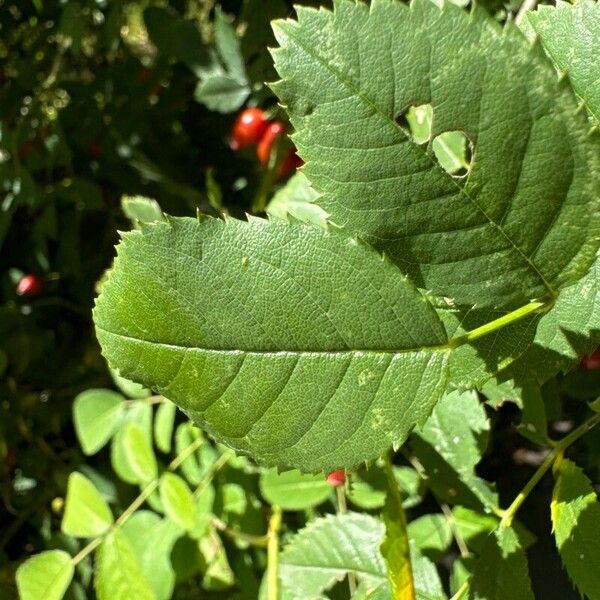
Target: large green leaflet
(300, 346)
(576, 522)
(571, 36)
(521, 224)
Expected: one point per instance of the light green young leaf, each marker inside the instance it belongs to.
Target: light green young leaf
(350, 333)
(228, 47)
(141, 209)
(138, 453)
(501, 570)
(152, 540)
(191, 467)
(570, 34)
(324, 551)
(178, 501)
(86, 513)
(46, 575)
(428, 585)
(141, 414)
(450, 445)
(163, 426)
(118, 574)
(450, 148)
(97, 415)
(575, 514)
(431, 534)
(221, 92)
(297, 199)
(292, 490)
(496, 238)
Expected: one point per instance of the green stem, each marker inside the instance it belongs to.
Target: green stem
(260, 541)
(137, 502)
(214, 469)
(273, 554)
(461, 591)
(503, 321)
(558, 450)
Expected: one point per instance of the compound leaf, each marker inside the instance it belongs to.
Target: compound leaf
(521, 224)
(239, 324)
(292, 490)
(576, 519)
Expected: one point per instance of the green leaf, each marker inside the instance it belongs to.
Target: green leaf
(138, 453)
(118, 574)
(474, 527)
(431, 534)
(450, 148)
(571, 36)
(97, 415)
(179, 39)
(129, 388)
(501, 570)
(86, 513)
(152, 540)
(141, 414)
(494, 238)
(228, 47)
(450, 445)
(141, 209)
(191, 467)
(46, 575)
(576, 520)
(349, 332)
(292, 490)
(428, 585)
(163, 426)
(178, 501)
(326, 550)
(297, 199)
(221, 92)
(215, 565)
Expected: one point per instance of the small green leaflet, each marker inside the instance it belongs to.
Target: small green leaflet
(86, 512)
(571, 36)
(97, 415)
(522, 224)
(46, 575)
(178, 501)
(576, 520)
(118, 574)
(292, 490)
(239, 324)
(501, 571)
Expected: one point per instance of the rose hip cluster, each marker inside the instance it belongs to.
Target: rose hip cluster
(253, 128)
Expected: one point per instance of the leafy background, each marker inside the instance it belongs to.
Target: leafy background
(102, 100)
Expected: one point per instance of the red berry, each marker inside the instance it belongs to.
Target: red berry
(591, 361)
(337, 478)
(274, 130)
(289, 164)
(30, 285)
(248, 128)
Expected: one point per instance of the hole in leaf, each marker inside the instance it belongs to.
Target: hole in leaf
(416, 122)
(454, 152)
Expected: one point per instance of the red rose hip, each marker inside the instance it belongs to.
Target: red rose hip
(30, 285)
(592, 361)
(248, 128)
(337, 478)
(274, 131)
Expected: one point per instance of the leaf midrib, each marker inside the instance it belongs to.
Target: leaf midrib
(389, 122)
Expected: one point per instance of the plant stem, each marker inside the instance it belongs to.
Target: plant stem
(461, 591)
(214, 469)
(503, 321)
(273, 554)
(460, 542)
(137, 502)
(557, 451)
(259, 541)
